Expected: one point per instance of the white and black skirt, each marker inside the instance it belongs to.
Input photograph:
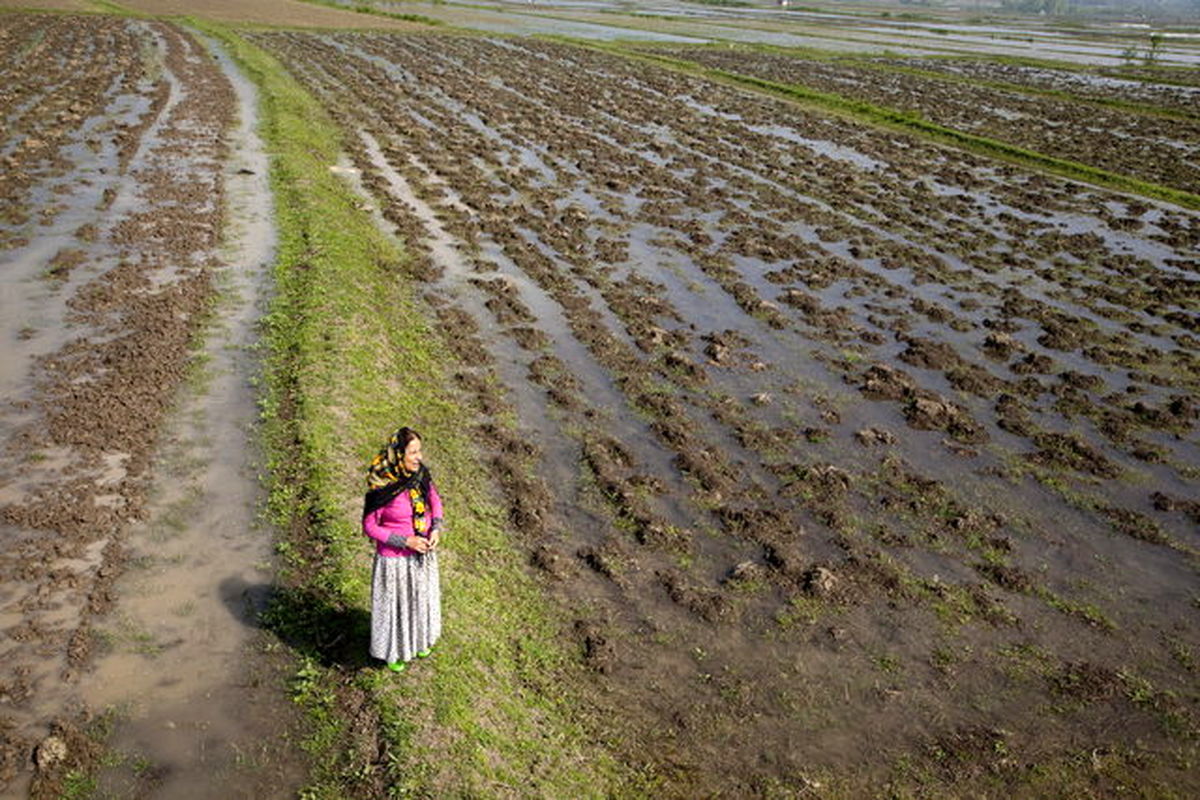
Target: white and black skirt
(406, 606)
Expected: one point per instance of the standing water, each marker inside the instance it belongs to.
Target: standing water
(181, 671)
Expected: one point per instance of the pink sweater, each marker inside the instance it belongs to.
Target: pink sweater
(396, 517)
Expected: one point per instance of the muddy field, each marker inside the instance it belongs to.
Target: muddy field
(114, 155)
(1160, 145)
(858, 458)
(1176, 89)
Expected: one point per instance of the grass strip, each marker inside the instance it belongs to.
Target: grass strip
(870, 113)
(350, 355)
(105, 7)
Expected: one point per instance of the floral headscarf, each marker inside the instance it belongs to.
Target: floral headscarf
(387, 478)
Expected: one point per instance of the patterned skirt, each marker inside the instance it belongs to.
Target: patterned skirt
(406, 606)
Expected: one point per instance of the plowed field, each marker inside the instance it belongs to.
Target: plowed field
(856, 456)
(1159, 145)
(862, 466)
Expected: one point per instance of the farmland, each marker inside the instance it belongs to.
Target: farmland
(797, 452)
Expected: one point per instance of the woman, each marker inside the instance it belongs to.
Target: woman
(403, 514)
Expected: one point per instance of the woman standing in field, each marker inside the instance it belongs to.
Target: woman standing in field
(403, 514)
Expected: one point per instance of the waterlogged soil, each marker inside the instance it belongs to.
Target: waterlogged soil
(1162, 148)
(858, 461)
(1170, 88)
(115, 156)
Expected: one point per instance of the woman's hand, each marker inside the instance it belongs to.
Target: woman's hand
(418, 544)
(435, 536)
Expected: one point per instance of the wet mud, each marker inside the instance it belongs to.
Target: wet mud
(866, 455)
(1171, 88)
(1158, 145)
(116, 159)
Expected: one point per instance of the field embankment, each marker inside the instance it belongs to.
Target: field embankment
(355, 350)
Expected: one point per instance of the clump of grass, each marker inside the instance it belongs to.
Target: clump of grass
(1088, 612)
(802, 609)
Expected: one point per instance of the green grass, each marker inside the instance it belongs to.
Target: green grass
(350, 356)
(803, 610)
(105, 7)
(1088, 612)
(78, 785)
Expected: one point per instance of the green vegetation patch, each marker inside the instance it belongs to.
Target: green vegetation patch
(351, 354)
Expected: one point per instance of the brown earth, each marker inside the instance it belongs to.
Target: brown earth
(258, 12)
(124, 124)
(740, 551)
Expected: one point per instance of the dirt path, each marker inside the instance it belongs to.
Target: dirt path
(274, 12)
(181, 662)
(53, 5)
(135, 566)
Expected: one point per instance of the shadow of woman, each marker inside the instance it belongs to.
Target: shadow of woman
(312, 625)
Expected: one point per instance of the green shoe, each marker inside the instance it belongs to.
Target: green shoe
(397, 666)
(425, 653)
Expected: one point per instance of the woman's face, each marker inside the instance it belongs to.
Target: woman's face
(412, 456)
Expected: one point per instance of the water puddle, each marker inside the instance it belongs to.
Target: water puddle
(824, 148)
(33, 307)
(177, 658)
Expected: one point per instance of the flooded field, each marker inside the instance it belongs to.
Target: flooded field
(857, 457)
(835, 27)
(861, 466)
(1159, 143)
(116, 600)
